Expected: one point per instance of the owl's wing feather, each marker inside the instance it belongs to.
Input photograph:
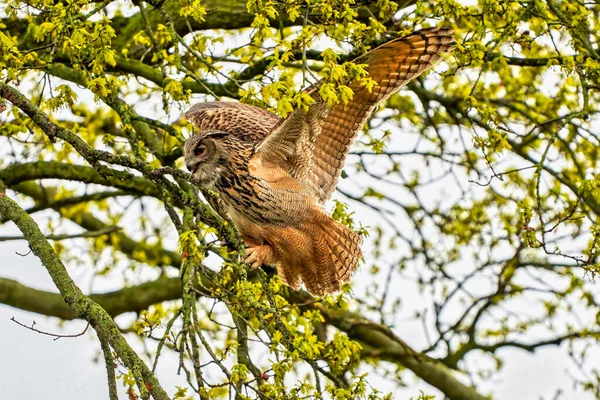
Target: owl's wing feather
(248, 122)
(328, 132)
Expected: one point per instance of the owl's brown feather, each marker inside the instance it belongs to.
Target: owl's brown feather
(273, 175)
(318, 251)
(391, 66)
(247, 122)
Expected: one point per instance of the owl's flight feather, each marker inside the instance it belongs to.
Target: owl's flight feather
(285, 168)
(391, 66)
(247, 122)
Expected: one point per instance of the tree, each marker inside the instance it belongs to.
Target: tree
(479, 184)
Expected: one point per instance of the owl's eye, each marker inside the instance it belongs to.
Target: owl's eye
(200, 150)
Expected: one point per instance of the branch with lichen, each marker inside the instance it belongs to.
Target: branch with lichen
(81, 305)
(378, 340)
(13, 174)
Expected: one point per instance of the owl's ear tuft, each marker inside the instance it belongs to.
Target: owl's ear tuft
(216, 135)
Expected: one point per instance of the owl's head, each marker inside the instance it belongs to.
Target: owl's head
(207, 154)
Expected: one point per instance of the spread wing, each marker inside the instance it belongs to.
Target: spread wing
(248, 122)
(327, 132)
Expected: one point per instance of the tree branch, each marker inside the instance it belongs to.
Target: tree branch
(378, 340)
(87, 234)
(221, 14)
(154, 254)
(14, 174)
(81, 305)
(131, 299)
(109, 362)
(97, 157)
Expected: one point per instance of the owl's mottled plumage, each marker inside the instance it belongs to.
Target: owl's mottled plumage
(273, 175)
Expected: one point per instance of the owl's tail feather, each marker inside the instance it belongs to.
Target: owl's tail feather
(336, 255)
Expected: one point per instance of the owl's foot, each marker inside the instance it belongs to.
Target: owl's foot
(259, 255)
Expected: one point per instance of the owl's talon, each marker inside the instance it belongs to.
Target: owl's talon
(259, 255)
(251, 258)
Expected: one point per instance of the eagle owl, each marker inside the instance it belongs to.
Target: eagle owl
(274, 175)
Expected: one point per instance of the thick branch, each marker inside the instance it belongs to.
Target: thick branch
(378, 340)
(86, 234)
(154, 75)
(132, 299)
(221, 14)
(14, 174)
(81, 305)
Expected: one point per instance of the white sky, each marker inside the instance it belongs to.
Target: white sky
(67, 366)
(35, 366)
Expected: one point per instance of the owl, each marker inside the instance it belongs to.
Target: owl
(274, 175)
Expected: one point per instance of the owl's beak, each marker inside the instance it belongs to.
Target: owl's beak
(192, 167)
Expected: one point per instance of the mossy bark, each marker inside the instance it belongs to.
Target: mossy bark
(82, 306)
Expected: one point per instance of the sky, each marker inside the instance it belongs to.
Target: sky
(69, 367)
(36, 366)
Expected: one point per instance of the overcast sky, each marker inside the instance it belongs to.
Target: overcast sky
(37, 367)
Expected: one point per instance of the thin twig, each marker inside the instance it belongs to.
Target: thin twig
(87, 234)
(56, 336)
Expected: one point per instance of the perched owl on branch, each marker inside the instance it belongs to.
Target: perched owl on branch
(274, 175)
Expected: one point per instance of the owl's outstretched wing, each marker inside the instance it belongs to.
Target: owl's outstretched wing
(247, 122)
(326, 133)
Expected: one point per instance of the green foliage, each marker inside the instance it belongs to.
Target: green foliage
(480, 180)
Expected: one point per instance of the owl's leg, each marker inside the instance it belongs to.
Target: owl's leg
(259, 255)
